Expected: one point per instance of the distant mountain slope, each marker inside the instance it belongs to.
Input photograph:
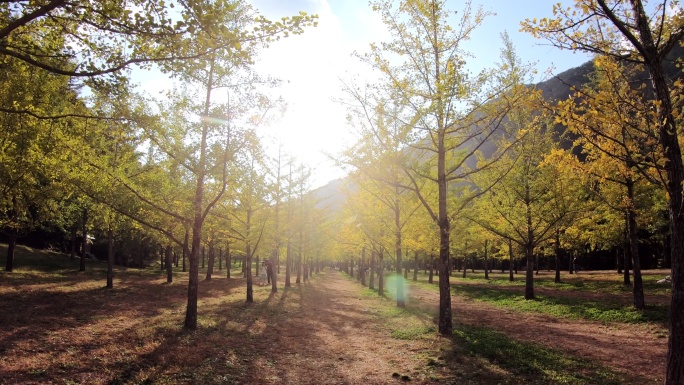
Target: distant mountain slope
(559, 87)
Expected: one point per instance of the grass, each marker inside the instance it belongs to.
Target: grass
(531, 362)
(565, 306)
(62, 326)
(594, 297)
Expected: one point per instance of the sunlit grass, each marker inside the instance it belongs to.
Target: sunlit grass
(537, 364)
(564, 307)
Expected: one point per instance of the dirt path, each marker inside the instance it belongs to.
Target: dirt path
(336, 339)
(68, 329)
(632, 349)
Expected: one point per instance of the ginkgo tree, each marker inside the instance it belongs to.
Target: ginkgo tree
(627, 31)
(532, 198)
(452, 113)
(616, 132)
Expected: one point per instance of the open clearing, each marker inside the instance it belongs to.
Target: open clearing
(63, 327)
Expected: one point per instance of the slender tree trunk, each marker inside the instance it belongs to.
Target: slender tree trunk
(220, 259)
(204, 252)
(84, 241)
(248, 256)
(210, 267)
(529, 274)
(169, 263)
(73, 241)
(415, 266)
(362, 268)
(371, 278)
(465, 265)
(256, 267)
(110, 256)
(229, 261)
(12, 245)
(432, 266)
(511, 260)
(381, 273)
(288, 263)
(401, 301)
(638, 288)
(185, 247)
(557, 250)
(351, 266)
(618, 262)
(198, 219)
(486, 260)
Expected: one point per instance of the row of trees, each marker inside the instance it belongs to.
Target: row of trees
(83, 152)
(448, 160)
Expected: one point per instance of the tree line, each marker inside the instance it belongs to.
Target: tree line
(448, 162)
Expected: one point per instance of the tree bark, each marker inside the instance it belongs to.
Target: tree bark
(229, 262)
(288, 263)
(511, 260)
(84, 240)
(212, 258)
(12, 245)
(557, 250)
(486, 267)
(110, 257)
(381, 273)
(415, 266)
(638, 288)
(185, 247)
(169, 263)
(198, 219)
(73, 241)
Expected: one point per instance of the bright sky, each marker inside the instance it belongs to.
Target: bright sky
(312, 64)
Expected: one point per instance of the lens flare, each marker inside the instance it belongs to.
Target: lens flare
(397, 287)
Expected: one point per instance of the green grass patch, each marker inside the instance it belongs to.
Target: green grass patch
(564, 307)
(531, 363)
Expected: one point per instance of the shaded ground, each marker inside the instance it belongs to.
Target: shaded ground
(65, 328)
(635, 349)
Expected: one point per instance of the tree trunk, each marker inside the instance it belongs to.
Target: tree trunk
(273, 262)
(220, 259)
(169, 263)
(84, 240)
(415, 266)
(256, 267)
(486, 260)
(204, 253)
(511, 260)
(198, 217)
(351, 266)
(432, 266)
(229, 262)
(371, 278)
(529, 276)
(74, 240)
(185, 247)
(288, 263)
(465, 265)
(362, 268)
(210, 267)
(12, 245)
(638, 288)
(381, 273)
(248, 258)
(110, 257)
(557, 250)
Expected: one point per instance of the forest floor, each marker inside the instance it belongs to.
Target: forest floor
(63, 327)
